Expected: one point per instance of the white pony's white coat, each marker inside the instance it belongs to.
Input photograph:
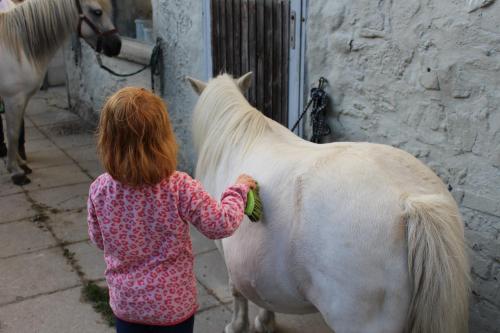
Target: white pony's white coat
(364, 233)
(6, 5)
(30, 35)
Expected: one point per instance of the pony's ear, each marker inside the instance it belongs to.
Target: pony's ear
(245, 81)
(197, 85)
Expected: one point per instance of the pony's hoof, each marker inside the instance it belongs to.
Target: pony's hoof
(27, 170)
(261, 327)
(3, 150)
(265, 322)
(20, 180)
(239, 328)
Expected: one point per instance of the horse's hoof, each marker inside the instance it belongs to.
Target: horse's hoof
(27, 170)
(238, 328)
(20, 180)
(265, 323)
(3, 150)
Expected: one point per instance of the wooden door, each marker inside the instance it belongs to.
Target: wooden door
(254, 35)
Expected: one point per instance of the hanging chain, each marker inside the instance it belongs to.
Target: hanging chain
(318, 101)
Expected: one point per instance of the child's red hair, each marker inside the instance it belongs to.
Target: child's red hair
(136, 142)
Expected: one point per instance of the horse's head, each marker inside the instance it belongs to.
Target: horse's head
(97, 28)
(243, 83)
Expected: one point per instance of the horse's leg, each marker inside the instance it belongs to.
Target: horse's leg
(3, 147)
(22, 141)
(239, 323)
(265, 322)
(14, 112)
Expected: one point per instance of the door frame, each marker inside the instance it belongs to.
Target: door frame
(296, 78)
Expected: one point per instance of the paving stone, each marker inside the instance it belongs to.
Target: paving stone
(15, 207)
(93, 168)
(33, 134)
(74, 141)
(212, 321)
(6, 185)
(69, 227)
(27, 123)
(72, 197)
(61, 312)
(205, 300)
(34, 274)
(201, 243)
(47, 158)
(39, 145)
(90, 259)
(24, 236)
(211, 271)
(83, 154)
(53, 116)
(56, 176)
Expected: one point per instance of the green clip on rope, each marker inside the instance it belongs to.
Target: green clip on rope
(254, 207)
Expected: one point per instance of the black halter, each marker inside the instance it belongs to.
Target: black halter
(98, 32)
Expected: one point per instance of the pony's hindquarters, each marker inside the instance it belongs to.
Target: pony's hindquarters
(438, 265)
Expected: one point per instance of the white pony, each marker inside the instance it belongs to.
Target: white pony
(30, 35)
(6, 5)
(363, 233)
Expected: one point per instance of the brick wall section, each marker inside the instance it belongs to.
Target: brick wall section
(424, 76)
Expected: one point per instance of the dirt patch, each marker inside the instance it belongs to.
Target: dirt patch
(71, 128)
(99, 298)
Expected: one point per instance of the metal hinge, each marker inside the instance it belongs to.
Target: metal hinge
(293, 26)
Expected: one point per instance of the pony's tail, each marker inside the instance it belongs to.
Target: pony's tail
(438, 266)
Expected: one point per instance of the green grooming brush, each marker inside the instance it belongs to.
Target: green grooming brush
(254, 207)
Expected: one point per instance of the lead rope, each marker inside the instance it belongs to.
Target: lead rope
(318, 101)
(154, 64)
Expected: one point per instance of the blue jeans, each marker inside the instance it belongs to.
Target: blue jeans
(125, 327)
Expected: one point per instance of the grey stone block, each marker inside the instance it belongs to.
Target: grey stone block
(15, 207)
(70, 227)
(201, 244)
(205, 300)
(212, 321)
(34, 274)
(24, 236)
(56, 176)
(39, 145)
(211, 272)
(61, 312)
(71, 197)
(90, 259)
(47, 158)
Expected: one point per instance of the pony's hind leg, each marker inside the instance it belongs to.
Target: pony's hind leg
(239, 323)
(265, 322)
(14, 112)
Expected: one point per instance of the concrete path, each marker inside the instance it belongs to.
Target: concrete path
(45, 254)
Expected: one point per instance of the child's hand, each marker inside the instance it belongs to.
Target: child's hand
(247, 180)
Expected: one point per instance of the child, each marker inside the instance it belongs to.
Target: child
(139, 214)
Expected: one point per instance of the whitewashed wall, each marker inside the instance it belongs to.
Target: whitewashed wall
(424, 75)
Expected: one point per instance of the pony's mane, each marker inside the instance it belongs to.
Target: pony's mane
(223, 120)
(38, 28)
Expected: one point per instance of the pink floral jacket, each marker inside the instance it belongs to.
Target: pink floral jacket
(144, 233)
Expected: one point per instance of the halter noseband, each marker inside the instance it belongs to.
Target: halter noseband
(97, 31)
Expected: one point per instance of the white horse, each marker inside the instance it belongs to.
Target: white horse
(30, 35)
(6, 5)
(363, 233)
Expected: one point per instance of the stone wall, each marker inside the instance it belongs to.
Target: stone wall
(180, 24)
(424, 76)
